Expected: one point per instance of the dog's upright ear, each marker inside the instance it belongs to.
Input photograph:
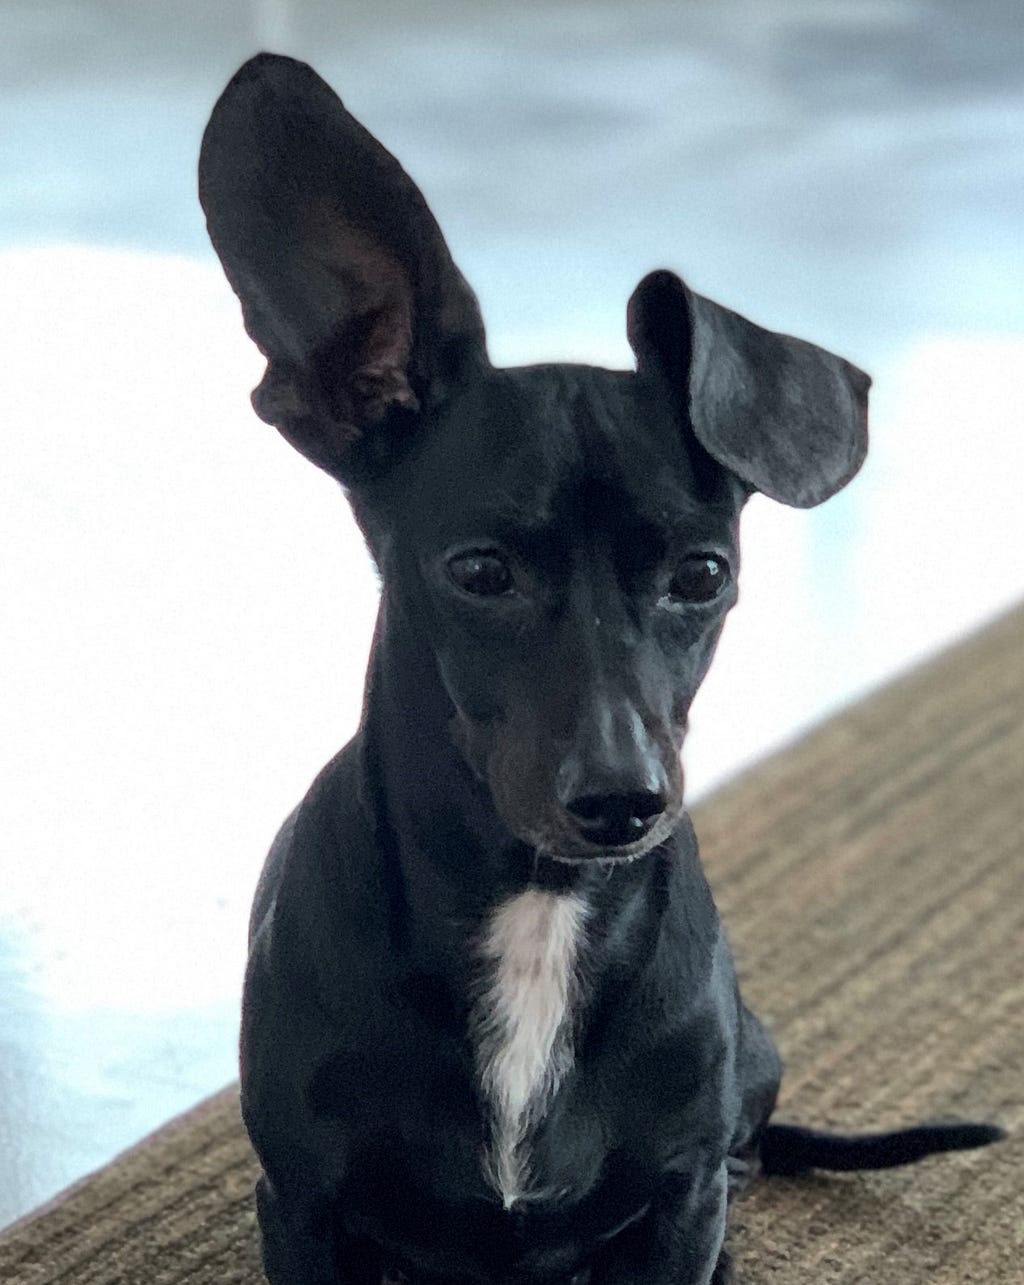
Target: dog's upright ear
(346, 284)
(787, 418)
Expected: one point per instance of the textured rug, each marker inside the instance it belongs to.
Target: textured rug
(872, 878)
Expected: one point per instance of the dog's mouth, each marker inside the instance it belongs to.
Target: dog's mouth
(559, 839)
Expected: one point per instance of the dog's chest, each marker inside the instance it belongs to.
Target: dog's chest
(523, 1024)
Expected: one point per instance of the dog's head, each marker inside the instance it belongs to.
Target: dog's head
(563, 538)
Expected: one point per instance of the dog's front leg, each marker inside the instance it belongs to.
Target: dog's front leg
(306, 1246)
(677, 1242)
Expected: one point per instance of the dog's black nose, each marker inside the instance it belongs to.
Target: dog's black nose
(614, 820)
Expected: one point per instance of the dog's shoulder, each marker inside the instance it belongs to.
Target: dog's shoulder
(320, 906)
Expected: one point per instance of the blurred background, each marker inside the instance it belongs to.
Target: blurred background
(186, 605)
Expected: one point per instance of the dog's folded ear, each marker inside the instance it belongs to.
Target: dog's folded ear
(787, 418)
(346, 284)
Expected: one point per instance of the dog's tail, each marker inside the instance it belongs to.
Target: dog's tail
(790, 1149)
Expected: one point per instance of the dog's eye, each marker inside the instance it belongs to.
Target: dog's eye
(487, 575)
(699, 579)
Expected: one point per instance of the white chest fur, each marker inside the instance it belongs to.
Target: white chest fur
(524, 1022)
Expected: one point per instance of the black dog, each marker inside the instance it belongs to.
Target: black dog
(491, 1029)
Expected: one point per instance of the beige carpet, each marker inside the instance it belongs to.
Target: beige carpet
(872, 878)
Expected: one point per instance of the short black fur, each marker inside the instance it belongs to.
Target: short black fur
(558, 551)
